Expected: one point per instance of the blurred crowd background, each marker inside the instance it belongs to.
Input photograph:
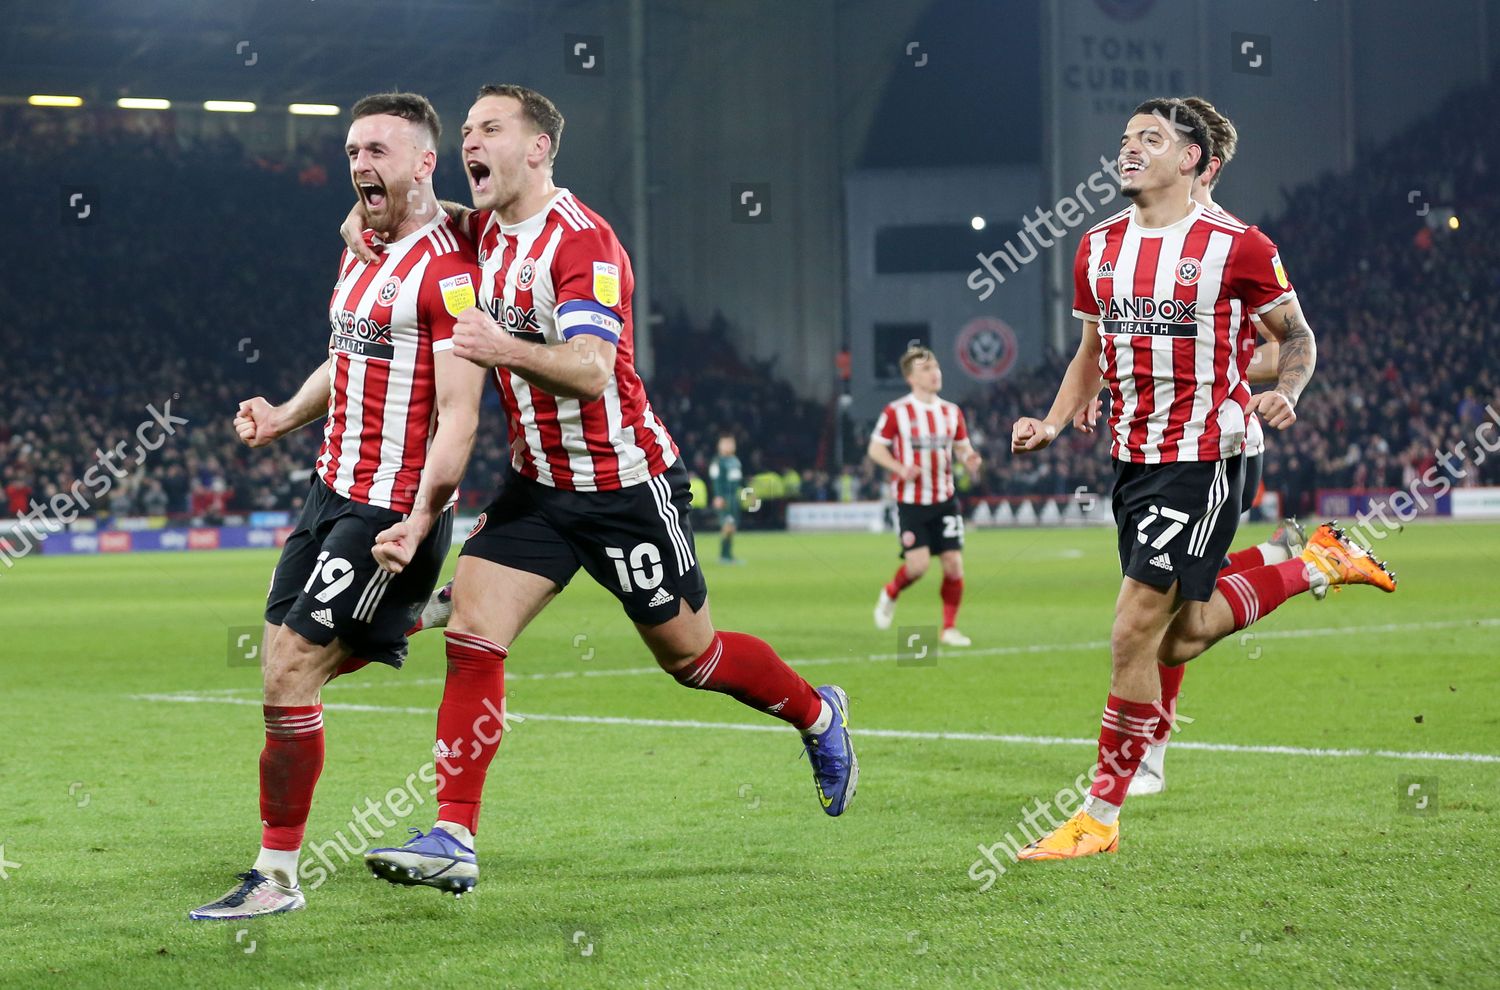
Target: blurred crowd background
(196, 284)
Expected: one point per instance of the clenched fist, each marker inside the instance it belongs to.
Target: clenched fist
(255, 422)
(479, 339)
(1031, 434)
(1275, 408)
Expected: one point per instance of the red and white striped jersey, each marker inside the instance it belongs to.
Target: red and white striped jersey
(1255, 434)
(1171, 304)
(922, 434)
(389, 319)
(548, 279)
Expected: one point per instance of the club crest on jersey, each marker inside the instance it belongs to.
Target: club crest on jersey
(606, 283)
(1280, 272)
(458, 293)
(526, 277)
(1188, 270)
(389, 290)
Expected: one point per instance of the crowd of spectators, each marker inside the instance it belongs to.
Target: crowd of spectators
(201, 272)
(1406, 309)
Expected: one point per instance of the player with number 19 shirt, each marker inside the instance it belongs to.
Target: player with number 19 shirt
(400, 411)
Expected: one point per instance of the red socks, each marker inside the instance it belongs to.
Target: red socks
(289, 769)
(1127, 728)
(1171, 686)
(470, 721)
(1243, 560)
(952, 593)
(899, 582)
(750, 672)
(1256, 593)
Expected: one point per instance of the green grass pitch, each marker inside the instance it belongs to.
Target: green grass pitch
(646, 842)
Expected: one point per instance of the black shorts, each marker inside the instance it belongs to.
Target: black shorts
(636, 542)
(328, 585)
(1255, 468)
(1176, 521)
(938, 527)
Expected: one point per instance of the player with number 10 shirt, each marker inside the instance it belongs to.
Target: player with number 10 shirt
(595, 482)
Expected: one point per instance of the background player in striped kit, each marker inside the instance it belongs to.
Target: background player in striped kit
(596, 482)
(1162, 289)
(916, 439)
(400, 413)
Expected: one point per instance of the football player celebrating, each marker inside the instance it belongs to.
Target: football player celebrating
(1288, 540)
(400, 410)
(1161, 289)
(916, 439)
(595, 482)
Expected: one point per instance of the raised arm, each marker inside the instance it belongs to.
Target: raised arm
(258, 422)
(1079, 386)
(352, 230)
(1297, 358)
(578, 368)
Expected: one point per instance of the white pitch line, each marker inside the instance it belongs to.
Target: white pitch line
(987, 651)
(1008, 738)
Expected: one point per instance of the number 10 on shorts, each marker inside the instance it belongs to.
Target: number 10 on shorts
(644, 566)
(1177, 520)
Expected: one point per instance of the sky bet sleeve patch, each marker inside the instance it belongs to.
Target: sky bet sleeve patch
(606, 283)
(458, 293)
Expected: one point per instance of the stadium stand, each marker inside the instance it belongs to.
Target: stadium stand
(217, 305)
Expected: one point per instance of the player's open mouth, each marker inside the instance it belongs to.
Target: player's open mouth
(373, 194)
(1131, 166)
(479, 176)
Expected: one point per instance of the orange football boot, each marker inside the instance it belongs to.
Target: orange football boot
(1337, 560)
(1081, 835)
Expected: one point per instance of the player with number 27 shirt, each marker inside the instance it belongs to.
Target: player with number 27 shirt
(1162, 290)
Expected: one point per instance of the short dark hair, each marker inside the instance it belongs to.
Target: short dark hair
(535, 107)
(408, 106)
(1221, 131)
(1186, 122)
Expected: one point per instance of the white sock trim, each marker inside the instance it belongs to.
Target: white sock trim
(279, 864)
(1274, 553)
(458, 831)
(1101, 810)
(824, 720)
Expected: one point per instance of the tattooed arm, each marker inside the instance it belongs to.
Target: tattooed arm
(1294, 368)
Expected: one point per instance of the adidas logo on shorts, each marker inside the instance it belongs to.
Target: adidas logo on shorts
(323, 616)
(1163, 561)
(661, 597)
